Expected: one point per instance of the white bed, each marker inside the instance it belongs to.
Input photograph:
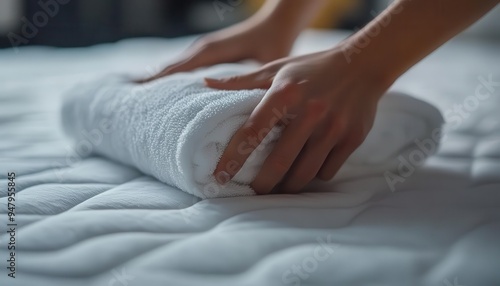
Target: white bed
(95, 222)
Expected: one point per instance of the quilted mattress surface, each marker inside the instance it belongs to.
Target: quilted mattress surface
(91, 221)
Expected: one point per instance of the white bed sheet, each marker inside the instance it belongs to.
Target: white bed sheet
(95, 222)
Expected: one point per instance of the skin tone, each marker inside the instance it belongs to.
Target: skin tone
(332, 95)
(277, 23)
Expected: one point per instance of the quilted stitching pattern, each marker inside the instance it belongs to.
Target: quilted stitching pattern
(95, 222)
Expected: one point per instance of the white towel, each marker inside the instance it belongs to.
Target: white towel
(175, 129)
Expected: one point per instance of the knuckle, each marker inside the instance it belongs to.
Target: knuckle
(288, 86)
(317, 108)
(288, 93)
(341, 123)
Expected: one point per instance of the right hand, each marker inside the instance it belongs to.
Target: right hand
(258, 39)
(326, 105)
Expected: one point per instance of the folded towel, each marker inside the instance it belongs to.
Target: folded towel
(175, 129)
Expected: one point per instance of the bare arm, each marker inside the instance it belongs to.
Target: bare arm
(266, 36)
(290, 16)
(333, 95)
(409, 30)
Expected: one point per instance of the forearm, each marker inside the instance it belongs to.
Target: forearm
(409, 30)
(291, 17)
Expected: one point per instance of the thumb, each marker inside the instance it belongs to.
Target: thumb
(247, 81)
(181, 66)
(192, 59)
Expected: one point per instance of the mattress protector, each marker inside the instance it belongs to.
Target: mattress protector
(92, 221)
(175, 129)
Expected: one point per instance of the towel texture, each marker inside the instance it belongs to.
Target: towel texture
(176, 129)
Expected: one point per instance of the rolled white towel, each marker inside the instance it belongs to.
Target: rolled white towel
(175, 129)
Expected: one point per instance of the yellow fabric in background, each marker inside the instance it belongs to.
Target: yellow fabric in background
(329, 15)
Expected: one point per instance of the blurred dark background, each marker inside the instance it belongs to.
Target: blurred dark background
(68, 23)
(87, 22)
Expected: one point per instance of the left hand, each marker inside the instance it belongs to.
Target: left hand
(332, 103)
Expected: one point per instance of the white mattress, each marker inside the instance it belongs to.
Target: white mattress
(95, 222)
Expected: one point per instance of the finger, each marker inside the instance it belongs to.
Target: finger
(190, 63)
(310, 160)
(264, 117)
(171, 69)
(247, 81)
(337, 157)
(286, 151)
(201, 58)
(193, 59)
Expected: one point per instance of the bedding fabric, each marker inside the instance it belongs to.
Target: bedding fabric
(175, 129)
(93, 221)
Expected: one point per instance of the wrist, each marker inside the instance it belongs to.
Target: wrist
(372, 69)
(381, 48)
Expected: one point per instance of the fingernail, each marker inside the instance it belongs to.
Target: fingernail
(222, 177)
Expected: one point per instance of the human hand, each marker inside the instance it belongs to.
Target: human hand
(261, 40)
(332, 103)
